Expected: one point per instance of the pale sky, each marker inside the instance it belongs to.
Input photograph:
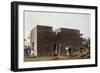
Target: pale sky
(57, 20)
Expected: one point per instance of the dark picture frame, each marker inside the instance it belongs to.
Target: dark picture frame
(15, 30)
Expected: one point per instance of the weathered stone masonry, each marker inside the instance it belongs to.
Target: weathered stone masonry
(47, 42)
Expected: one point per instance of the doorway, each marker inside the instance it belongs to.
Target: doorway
(55, 50)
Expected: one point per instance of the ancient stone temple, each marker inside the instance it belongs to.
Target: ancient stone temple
(46, 42)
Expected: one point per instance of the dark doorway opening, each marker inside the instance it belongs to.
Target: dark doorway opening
(55, 50)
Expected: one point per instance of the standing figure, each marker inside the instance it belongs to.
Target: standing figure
(29, 50)
(67, 51)
(70, 51)
(25, 51)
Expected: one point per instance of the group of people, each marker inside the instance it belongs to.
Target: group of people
(28, 51)
(68, 50)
